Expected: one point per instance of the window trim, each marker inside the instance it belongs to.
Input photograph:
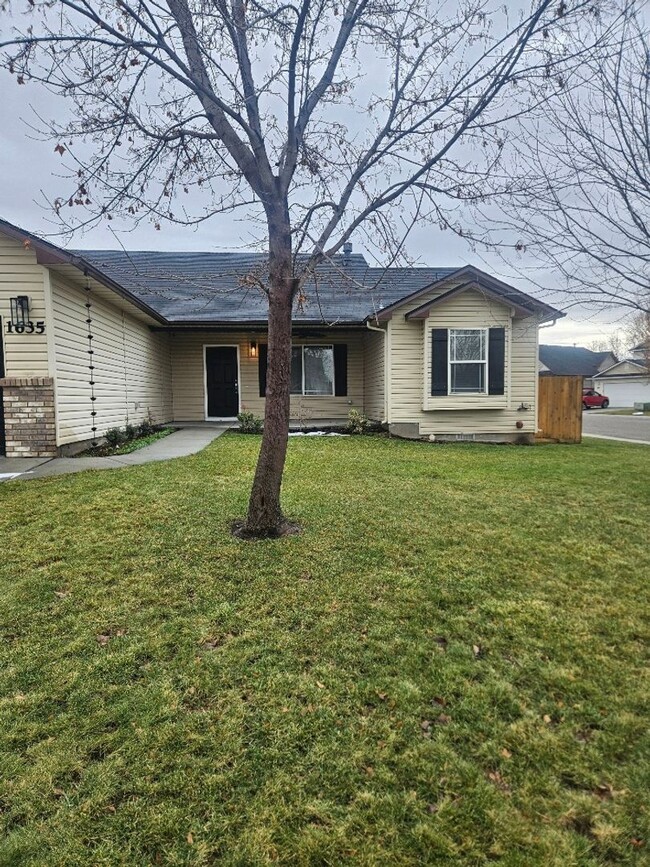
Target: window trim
(484, 361)
(302, 346)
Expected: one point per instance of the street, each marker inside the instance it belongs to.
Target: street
(605, 424)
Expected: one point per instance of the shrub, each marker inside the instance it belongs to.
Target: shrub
(145, 428)
(357, 422)
(130, 432)
(250, 423)
(115, 437)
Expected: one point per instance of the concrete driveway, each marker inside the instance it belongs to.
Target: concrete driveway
(607, 425)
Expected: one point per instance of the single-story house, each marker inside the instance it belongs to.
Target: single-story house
(573, 361)
(628, 381)
(92, 340)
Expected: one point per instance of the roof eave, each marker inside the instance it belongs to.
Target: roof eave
(478, 276)
(50, 254)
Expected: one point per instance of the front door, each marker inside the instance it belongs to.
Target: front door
(221, 381)
(3, 444)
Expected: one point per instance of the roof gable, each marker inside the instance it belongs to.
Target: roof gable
(638, 368)
(472, 277)
(422, 312)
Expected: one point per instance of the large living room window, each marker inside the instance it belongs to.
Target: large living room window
(312, 370)
(468, 360)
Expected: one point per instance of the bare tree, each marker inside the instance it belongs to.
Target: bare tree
(321, 118)
(579, 205)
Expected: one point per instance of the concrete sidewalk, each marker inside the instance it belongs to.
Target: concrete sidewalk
(186, 441)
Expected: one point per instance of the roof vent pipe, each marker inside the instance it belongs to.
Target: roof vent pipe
(347, 249)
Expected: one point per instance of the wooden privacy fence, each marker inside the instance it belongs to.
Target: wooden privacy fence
(560, 408)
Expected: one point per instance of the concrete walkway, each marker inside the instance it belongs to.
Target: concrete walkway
(186, 441)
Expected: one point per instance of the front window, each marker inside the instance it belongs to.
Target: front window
(312, 370)
(467, 361)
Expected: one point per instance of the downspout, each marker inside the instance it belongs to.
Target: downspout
(383, 331)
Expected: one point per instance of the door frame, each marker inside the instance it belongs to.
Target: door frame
(207, 346)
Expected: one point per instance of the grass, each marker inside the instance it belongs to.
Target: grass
(445, 668)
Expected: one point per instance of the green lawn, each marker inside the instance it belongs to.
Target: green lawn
(446, 667)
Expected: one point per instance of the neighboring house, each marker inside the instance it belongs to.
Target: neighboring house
(628, 381)
(573, 361)
(95, 339)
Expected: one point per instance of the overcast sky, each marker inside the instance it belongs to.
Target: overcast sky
(30, 167)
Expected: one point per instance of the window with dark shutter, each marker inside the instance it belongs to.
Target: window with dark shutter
(261, 371)
(439, 359)
(341, 369)
(496, 361)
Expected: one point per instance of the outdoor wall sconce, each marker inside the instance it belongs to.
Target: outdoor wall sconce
(253, 348)
(19, 311)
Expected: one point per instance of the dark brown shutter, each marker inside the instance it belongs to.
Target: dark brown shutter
(341, 369)
(496, 360)
(439, 360)
(263, 360)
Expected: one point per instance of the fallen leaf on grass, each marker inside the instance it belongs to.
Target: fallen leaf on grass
(439, 701)
(547, 719)
(498, 781)
(320, 685)
(506, 753)
(190, 838)
(441, 641)
(476, 650)
(61, 594)
(104, 637)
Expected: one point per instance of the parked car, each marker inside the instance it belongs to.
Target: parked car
(591, 399)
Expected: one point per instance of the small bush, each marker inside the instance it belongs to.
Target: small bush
(130, 432)
(249, 423)
(115, 437)
(145, 428)
(357, 422)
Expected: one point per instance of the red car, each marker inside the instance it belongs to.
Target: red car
(591, 399)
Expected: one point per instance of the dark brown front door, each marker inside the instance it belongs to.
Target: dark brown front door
(3, 444)
(221, 381)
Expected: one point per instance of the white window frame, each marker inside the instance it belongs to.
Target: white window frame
(302, 347)
(484, 361)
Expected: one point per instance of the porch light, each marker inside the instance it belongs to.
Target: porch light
(19, 310)
(253, 348)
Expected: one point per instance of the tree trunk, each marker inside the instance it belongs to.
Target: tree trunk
(265, 516)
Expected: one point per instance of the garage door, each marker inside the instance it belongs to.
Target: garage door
(625, 394)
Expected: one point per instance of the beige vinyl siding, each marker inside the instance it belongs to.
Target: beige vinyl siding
(410, 370)
(374, 364)
(132, 366)
(189, 376)
(20, 274)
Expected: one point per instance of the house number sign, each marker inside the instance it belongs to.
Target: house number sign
(26, 327)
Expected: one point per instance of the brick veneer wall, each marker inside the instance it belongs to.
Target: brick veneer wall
(30, 430)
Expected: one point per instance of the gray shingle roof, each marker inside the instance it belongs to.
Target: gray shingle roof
(571, 360)
(211, 287)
